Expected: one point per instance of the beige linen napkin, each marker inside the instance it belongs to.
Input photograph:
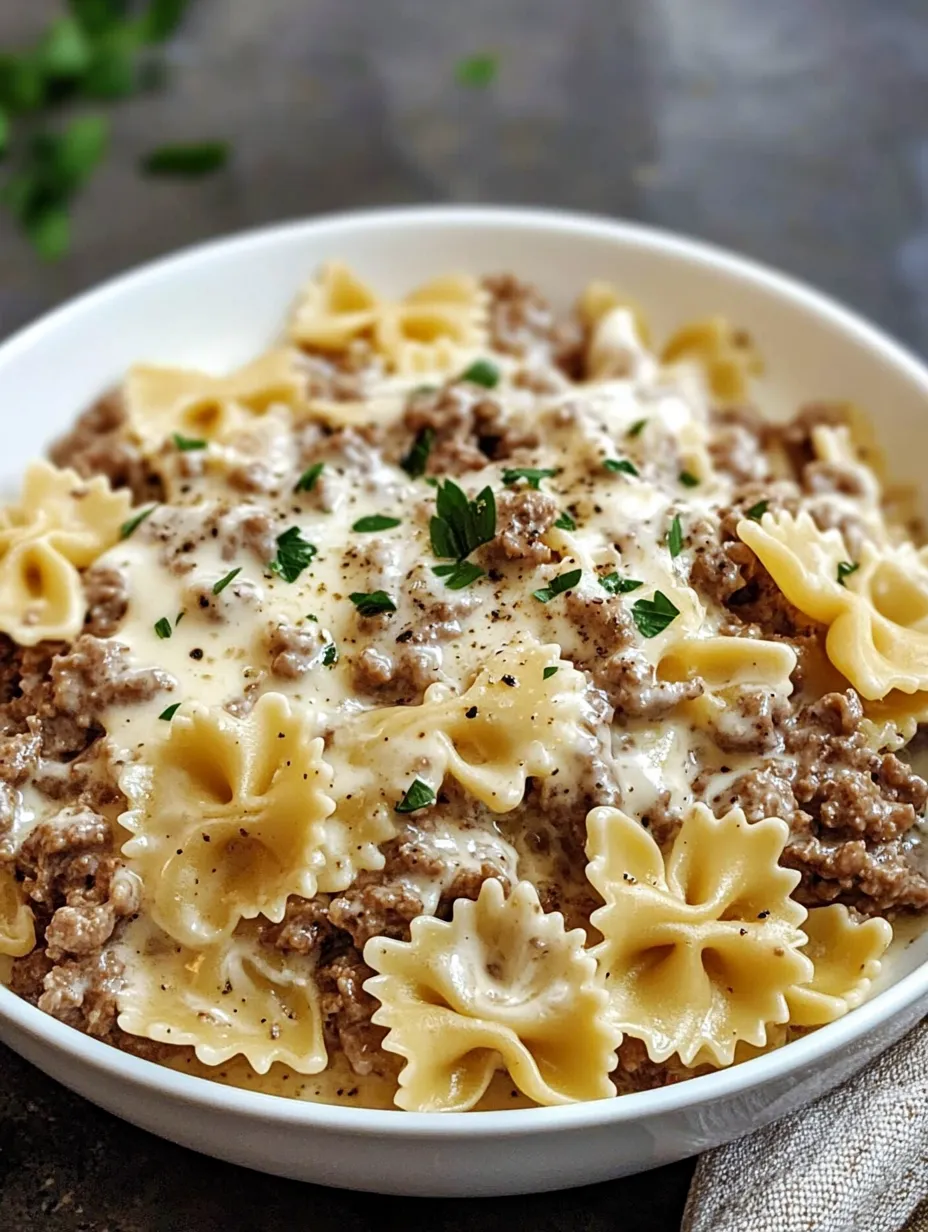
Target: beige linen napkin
(855, 1161)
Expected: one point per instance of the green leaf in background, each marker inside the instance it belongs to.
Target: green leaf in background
(65, 52)
(4, 132)
(22, 86)
(114, 70)
(477, 72)
(162, 19)
(49, 232)
(200, 158)
(98, 16)
(63, 162)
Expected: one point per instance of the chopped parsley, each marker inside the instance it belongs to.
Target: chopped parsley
(377, 521)
(134, 523)
(307, 481)
(189, 160)
(459, 575)
(163, 627)
(476, 72)
(557, 586)
(418, 796)
(620, 466)
(293, 555)
(756, 512)
(186, 444)
(635, 429)
(565, 522)
(532, 475)
(372, 603)
(675, 537)
(548, 673)
(688, 479)
(461, 525)
(417, 459)
(616, 585)
(846, 568)
(224, 582)
(330, 655)
(652, 616)
(481, 372)
(169, 712)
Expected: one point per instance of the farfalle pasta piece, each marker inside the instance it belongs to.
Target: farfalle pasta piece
(229, 817)
(600, 299)
(725, 665)
(846, 955)
(518, 719)
(17, 929)
(234, 998)
(876, 608)
(335, 308)
(61, 524)
(725, 354)
(162, 401)
(501, 985)
(700, 947)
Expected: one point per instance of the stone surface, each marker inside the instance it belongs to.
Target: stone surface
(791, 131)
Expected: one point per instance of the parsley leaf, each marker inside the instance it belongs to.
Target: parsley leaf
(330, 655)
(565, 522)
(635, 429)
(675, 537)
(293, 554)
(558, 585)
(846, 568)
(195, 159)
(620, 465)
(688, 479)
(134, 523)
(22, 85)
(65, 52)
(548, 673)
(224, 582)
(169, 712)
(98, 16)
(373, 603)
(652, 616)
(532, 475)
(307, 481)
(461, 525)
(187, 443)
(417, 459)
(756, 512)
(418, 796)
(459, 575)
(163, 627)
(376, 521)
(476, 72)
(616, 585)
(481, 372)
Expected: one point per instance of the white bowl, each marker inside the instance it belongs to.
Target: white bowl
(218, 304)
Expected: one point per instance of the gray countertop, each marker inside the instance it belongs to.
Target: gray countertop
(792, 131)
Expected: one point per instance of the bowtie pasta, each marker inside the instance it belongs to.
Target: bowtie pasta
(463, 704)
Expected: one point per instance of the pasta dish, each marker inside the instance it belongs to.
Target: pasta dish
(458, 706)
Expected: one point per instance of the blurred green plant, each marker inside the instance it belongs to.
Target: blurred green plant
(101, 50)
(477, 71)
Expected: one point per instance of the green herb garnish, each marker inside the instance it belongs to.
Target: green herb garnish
(134, 523)
(417, 459)
(558, 585)
(481, 372)
(635, 429)
(169, 712)
(372, 603)
(565, 522)
(846, 568)
(187, 443)
(376, 521)
(307, 481)
(616, 585)
(756, 512)
(675, 537)
(224, 582)
(459, 575)
(476, 72)
(163, 627)
(459, 525)
(293, 554)
(620, 465)
(652, 616)
(189, 161)
(688, 479)
(418, 796)
(532, 475)
(548, 673)
(330, 655)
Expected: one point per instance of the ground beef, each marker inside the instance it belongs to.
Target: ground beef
(107, 594)
(251, 529)
(522, 323)
(629, 682)
(522, 517)
(740, 437)
(294, 649)
(795, 437)
(751, 720)
(603, 627)
(347, 1010)
(98, 444)
(343, 376)
(469, 428)
(637, 1072)
(399, 675)
(370, 908)
(304, 928)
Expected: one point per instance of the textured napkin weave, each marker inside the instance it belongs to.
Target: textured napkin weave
(855, 1161)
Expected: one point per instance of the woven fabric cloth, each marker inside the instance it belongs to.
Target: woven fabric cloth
(855, 1161)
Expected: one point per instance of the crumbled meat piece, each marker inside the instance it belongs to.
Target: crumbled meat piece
(370, 909)
(294, 649)
(304, 928)
(603, 626)
(347, 1009)
(738, 443)
(470, 427)
(248, 528)
(522, 517)
(400, 675)
(751, 720)
(68, 859)
(630, 684)
(637, 1072)
(19, 754)
(796, 436)
(107, 595)
(98, 444)
(343, 376)
(822, 478)
(79, 930)
(83, 993)
(522, 323)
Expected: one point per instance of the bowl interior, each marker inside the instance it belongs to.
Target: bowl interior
(217, 305)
